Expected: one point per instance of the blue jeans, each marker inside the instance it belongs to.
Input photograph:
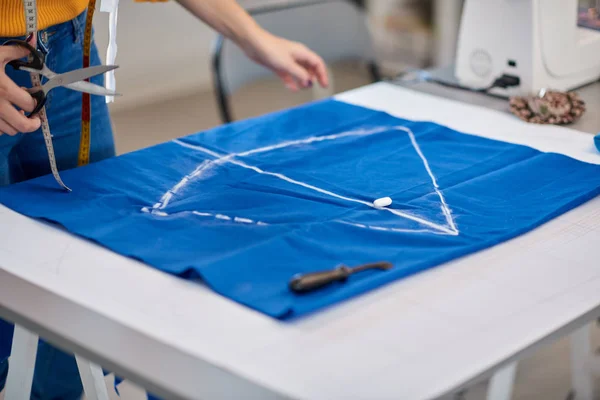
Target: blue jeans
(24, 157)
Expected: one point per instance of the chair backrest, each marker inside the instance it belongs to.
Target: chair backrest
(335, 29)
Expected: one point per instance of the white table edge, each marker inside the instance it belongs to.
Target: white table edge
(103, 349)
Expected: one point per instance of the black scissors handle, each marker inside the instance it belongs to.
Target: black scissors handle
(37, 60)
(40, 100)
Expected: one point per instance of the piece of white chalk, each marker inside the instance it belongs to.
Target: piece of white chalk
(383, 202)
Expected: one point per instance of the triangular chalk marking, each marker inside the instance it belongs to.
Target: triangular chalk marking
(429, 227)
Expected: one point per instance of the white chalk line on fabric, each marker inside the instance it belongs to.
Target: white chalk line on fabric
(222, 217)
(451, 229)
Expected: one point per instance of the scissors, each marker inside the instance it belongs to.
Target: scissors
(74, 80)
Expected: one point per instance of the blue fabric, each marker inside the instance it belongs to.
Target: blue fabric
(597, 141)
(246, 224)
(24, 157)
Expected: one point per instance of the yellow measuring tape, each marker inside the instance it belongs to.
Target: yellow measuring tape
(86, 106)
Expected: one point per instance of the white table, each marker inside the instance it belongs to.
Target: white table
(419, 338)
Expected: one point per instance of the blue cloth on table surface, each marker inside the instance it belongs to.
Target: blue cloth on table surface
(248, 205)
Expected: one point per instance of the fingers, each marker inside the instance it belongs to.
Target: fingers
(315, 64)
(17, 120)
(10, 53)
(8, 89)
(298, 73)
(13, 121)
(16, 95)
(5, 128)
(293, 62)
(288, 81)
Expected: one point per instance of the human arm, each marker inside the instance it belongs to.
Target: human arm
(293, 62)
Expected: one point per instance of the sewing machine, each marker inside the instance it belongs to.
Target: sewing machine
(539, 41)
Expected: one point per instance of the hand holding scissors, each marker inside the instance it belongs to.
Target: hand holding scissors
(74, 80)
(14, 100)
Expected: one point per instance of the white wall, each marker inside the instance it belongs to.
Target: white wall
(162, 51)
(165, 51)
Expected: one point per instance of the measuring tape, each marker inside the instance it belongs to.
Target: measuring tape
(86, 112)
(31, 26)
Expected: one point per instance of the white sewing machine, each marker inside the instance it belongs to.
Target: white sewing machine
(537, 40)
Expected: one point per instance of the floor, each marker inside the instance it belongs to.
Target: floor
(543, 375)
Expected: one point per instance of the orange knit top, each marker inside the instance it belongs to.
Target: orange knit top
(50, 12)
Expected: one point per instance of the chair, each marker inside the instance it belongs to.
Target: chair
(335, 29)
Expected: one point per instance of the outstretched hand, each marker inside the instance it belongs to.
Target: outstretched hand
(293, 62)
(296, 65)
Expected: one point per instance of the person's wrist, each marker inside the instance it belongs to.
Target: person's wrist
(252, 39)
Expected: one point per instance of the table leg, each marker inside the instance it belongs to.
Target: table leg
(21, 365)
(502, 383)
(92, 379)
(582, 377)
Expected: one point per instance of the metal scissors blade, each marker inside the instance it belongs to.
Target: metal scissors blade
(81, 86)
(92, 88)
(75, 76)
